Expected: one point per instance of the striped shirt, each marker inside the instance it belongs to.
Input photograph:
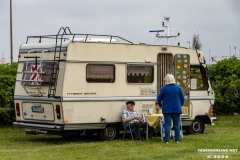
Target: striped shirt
(128, 113)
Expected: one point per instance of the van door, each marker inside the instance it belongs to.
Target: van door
(182, 76)
(181, 72)
(164, 67)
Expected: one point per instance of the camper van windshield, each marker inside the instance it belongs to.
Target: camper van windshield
(198, 78)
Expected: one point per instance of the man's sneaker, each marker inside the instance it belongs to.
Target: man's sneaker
(177, 141)
(166, 142)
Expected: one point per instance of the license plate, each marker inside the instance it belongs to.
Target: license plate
(37, 109)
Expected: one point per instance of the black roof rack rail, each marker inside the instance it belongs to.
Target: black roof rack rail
(65, 34)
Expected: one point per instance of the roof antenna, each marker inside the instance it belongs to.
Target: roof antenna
(166, 24)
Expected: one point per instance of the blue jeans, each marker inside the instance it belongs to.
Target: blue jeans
(176, 125)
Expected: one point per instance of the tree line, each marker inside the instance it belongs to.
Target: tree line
(225, 79)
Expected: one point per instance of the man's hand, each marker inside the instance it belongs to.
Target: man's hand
(138, 118)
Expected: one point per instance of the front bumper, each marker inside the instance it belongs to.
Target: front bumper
(212, 120)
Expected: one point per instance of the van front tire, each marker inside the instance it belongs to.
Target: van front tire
(197, 127)
(109, 133)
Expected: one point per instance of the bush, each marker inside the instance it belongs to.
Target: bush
(225, 81)
(7, 116)
(7, 84)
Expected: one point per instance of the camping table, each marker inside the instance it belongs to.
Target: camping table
(153, 121)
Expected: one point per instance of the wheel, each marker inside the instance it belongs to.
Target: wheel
(109, 133)
(197, 127)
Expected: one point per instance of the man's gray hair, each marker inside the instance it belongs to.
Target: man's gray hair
(169, 79)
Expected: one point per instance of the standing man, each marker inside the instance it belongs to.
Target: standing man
(135, 120)
(171, 98)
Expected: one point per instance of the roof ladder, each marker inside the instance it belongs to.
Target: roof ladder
(55, 64)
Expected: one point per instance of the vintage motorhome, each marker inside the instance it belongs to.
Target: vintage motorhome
(70, 83)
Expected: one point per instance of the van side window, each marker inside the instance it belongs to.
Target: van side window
(104, 73)
(198, 78)
(139, 74)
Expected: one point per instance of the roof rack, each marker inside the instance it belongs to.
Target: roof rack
(66, 34)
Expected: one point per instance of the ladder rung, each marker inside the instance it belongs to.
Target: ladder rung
(32, 87)
(31, 80)
(54, 72)
(54, 67)
(29, 72)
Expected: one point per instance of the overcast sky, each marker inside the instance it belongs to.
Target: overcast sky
(216, 21)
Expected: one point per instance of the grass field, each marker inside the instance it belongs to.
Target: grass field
(16, 145)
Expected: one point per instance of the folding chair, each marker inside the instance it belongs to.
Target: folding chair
(127, 129)
(162, 129)
(172, 133)
(181, 130)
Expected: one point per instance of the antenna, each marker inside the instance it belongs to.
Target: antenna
(157, 32)
(165, 24)
(2, 60)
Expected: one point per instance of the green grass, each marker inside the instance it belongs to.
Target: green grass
(16, 145)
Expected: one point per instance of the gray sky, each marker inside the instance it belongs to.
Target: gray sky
(216, 21)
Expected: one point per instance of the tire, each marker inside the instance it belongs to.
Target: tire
(109, 133)
(197, 127)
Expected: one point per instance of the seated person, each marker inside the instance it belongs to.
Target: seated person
(155, 109)
(135, 120)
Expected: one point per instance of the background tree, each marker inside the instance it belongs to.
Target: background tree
(7, 84)
(196, 44)
(225, 78)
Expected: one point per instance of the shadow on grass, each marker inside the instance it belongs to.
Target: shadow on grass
(59, 140)
(55, 139)
(52, 139)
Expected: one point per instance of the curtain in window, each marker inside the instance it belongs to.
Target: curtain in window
(100, 72)
(139, 70)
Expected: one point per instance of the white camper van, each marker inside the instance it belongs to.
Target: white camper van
(73, 83)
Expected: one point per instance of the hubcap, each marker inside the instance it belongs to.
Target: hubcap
(196, 127)
(110, 132)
